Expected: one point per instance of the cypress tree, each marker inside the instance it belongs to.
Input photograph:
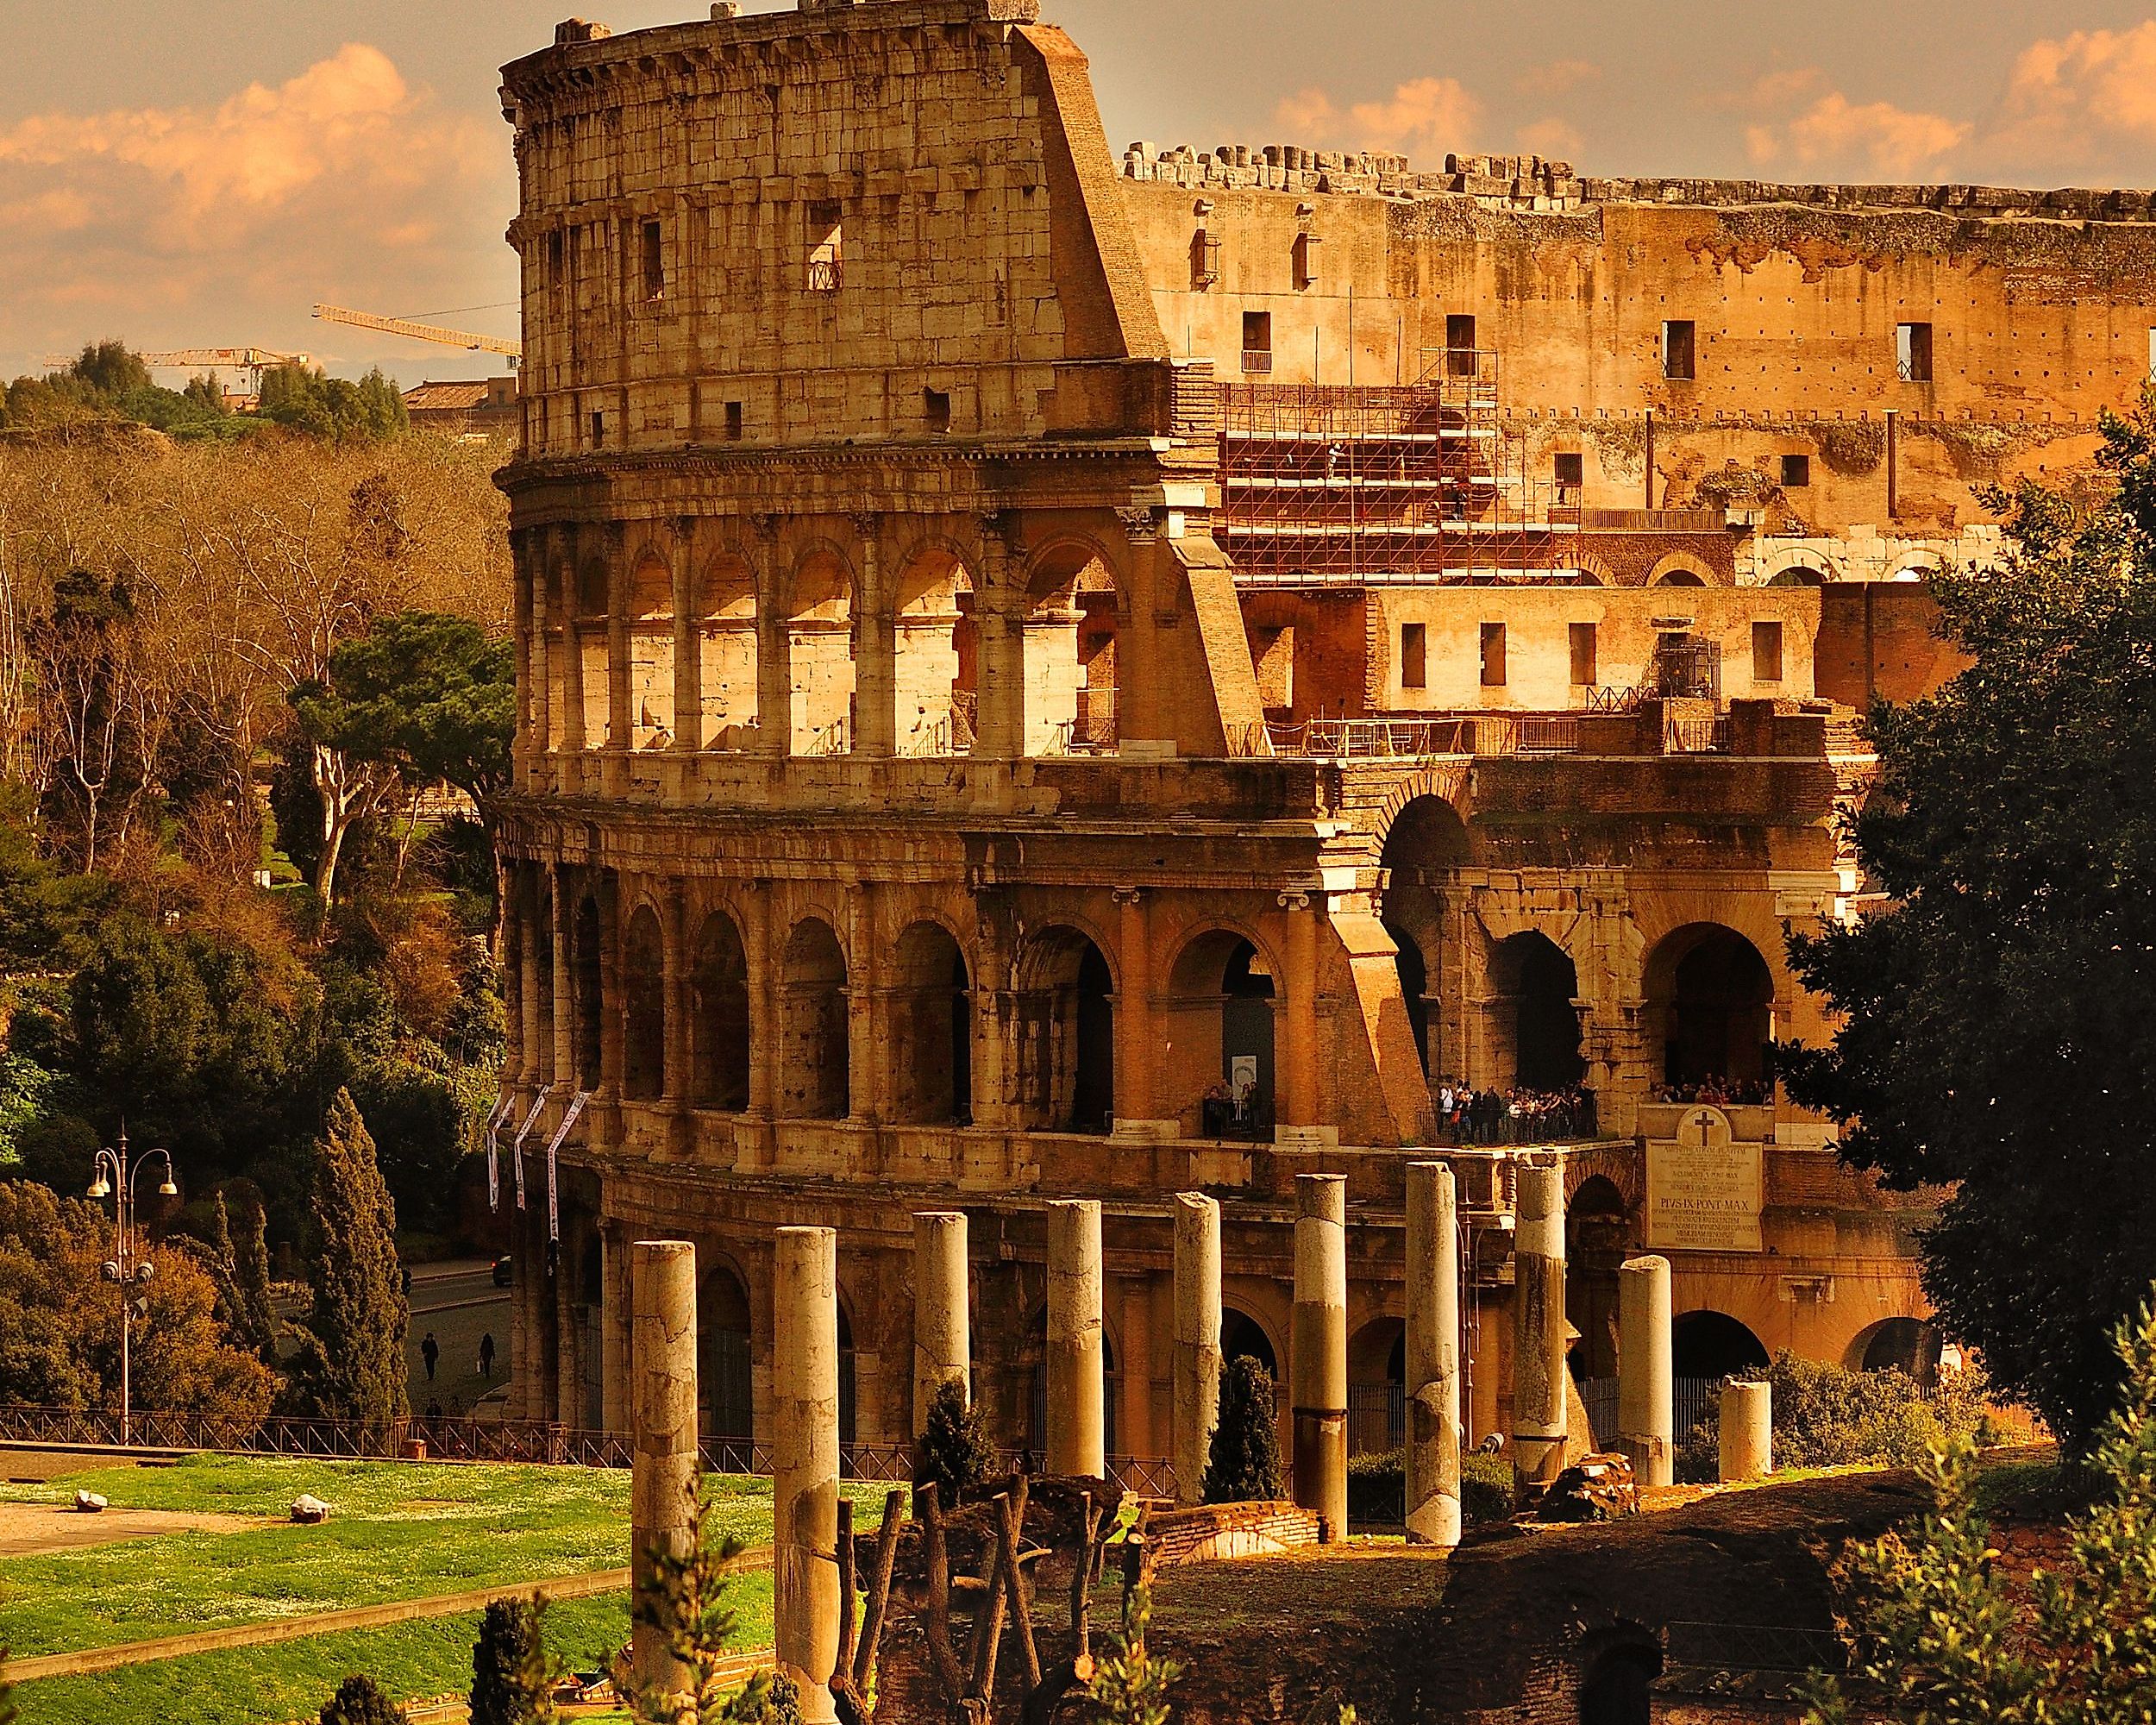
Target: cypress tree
(1243, 1461)
(511, 1677)
(359, 1702)
(955, 1454)
(355, 1368)
(251, 1275)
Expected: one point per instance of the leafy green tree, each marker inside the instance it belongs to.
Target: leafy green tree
(1130, 1686)
(306, 399)
(1943, 1634)
(110, 368)
(354, 1368)
(1995, 1036)
(1243, 1459)
(684, 1599)
(513, 1678)
(428, 695)
(955, 1454)
(360, 1702)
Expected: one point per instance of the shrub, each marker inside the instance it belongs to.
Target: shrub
(511, 1675)
(1242, 1460)
(1377, 1487)
(1826, 1415)
(359, 1702)
(1489, 1490)
(955, 1454)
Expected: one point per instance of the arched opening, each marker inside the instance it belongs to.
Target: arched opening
(589, 996)
(931, 1029)
(1710, 999)
(1219, 1035)
(814, 1079)
(1066, 1077)
(1712, 1345)
(1036, 1399)
(725, 1393)
(1618, 1686)
(1594, 1245)
(1427, 842)
(936, 657)
(1909, 1345)
(1242, 1337)
(820, 655)
(720, 1023)
(591, 630)
(651, 654)
(848, 1401)
(1534, 1032)
(1798, 577)
(1679, 577)
(726, 630)
(643, 1007)
(1378, 1387)
(1070, 654)
(1414, 983)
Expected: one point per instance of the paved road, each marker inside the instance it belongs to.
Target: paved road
(458, 1302)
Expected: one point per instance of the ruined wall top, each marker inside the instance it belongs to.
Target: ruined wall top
(1531, 182)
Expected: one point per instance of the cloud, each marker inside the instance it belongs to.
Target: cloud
(1424, 116)
(1876, 139)
(1553, 138)
(1557, 78)
(222, 223)
(2078, 98)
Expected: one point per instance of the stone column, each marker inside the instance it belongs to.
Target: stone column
(1076, 1444)
(1538, 1309)
(875, 673)
(538, 1037)
(775, 672)
(942, 1351)
(1747, 1423)
(761, 956)
(688, 642)
(575, 730)
(866, 1098)
(1433, 1356)
(562, 894)
(1646, 1387)
(805, 1463)
(621, 730)
(1297, 1064)
(674, 970)
(1197, 1365)
(1318, 1357)
(663, 1491)
(1002, 734)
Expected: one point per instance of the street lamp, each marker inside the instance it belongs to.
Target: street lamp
(112, 1175)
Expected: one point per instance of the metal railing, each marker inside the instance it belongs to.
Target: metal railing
(1695, 736)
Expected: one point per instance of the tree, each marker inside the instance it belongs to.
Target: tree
(1995, 1036)
(955, 1454)
(354, 1366)
(308, 400)
(1130, 1687)
(9, 1714)
(513, 1678)
(1944, 1634)
(360, 1702)
(1243, 1459)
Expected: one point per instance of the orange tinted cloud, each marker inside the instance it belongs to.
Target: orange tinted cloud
(1873, 140)
(2075, 98)
(1424, 117)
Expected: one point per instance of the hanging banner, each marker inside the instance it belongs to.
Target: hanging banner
(517, 1150)
(495, 1116)
(553, 1146)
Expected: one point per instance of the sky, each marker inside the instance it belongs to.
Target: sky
(199, 175)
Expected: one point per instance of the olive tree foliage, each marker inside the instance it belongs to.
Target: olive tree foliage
(1941, 1632)
(1995, 1038)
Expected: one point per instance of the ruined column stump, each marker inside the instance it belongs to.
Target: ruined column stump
(1197, 1363)
(1538, 1326)
(942, 1349)
(1318, 1365)
(1747, 1423)
(1646, 1387)
(1076, 1443)
(805, 1464)
(663, 1492)
(1433, 1356)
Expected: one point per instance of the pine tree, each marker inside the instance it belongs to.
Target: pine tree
(359, 1702)
(251, 1275)
(354, 1368)
(1243, 1462)
(512, 1679)
(955, 1454)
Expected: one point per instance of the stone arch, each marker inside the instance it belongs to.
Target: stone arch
(1065, 993)
(1071, 622)
(1619, 1166)
(1709, 993)
(648, 600)
(1424, 840)
(1909, 1344)
(1712, 1345)
(936, 651)
(722, 1022)
(1819, 560)
(819, 623)
(1243, 1332)
(643, 1006)
(1617, 1669)
(815, 1080)
(1798, 575)
(1532, 1031)
(725, 608)
(1682, 570)
(1377, 1386)
(725, 1347)
(931, 1028)
(1596, 1240)
(1594, 572)
(1915, 566)
(1225, 985)
(1450, 785)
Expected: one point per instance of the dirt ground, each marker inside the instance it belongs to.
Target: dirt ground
(29, 1529)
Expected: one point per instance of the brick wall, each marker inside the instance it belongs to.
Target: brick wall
(1231, 1530)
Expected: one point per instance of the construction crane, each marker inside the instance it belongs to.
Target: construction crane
(423, 332)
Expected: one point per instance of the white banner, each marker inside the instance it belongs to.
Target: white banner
(495, 1116)
(554, 1202)
(517, 1150)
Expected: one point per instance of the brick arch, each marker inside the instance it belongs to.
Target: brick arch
(1597, 573)
(1686, 562)
(1826, 562)
(1451, 784)
(1621, 1164)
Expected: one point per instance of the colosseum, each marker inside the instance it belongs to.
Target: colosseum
(1046, 671)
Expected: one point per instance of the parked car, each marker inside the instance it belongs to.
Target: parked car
(502, 1271)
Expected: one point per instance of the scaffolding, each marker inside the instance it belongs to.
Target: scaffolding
(1326, 485)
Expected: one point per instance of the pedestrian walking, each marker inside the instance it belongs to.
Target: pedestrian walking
(430, 1351)
(486, 1356)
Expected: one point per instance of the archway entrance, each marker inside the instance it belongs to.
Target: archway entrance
(1909, 1345)
(1219, 1015)
(643, 1008)
(726, 631)
(819, 645)
(1594, 1245)
(725, 1397)
(931, 1029)
(1066, 1030)
(1378, 1387)
(1713, 1345)
(1710, 997)
(719, 1026)
(1534, 1020)
(815, 1079)
(935, 657)
(651, 655)
(1426, 842)
(1070, 655)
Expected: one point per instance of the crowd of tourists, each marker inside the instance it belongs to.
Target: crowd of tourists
(1516, 1116)
(1720, 1093)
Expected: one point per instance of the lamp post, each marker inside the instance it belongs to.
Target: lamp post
(113, 1175)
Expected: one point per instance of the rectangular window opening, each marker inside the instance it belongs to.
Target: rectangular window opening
(1912, 352)
(1676, 349)
(733, 422)
(936, 406)
(654, 262)
(1570, 470)
(1459, 344)
(599, 431)
(1414, 668)
(1766, 652)
(556, 248)
(827, 246)
(1583, 644)
(1257, 341)
(1205, 259)
(1797, 472)
(1493, 655)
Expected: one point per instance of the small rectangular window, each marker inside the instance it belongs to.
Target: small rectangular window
(1766, 652)
(1459, 344)
(1205, 259)
(1797, 472)
(654, 262)
(1676, 349)
(1571, 468)
(1583, 643)
(599, 431)
(1257, 341)
(733, 422)
(1912, 352)
(1414, 670)
(936, 405)
(1493, 655)
(827, 247)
